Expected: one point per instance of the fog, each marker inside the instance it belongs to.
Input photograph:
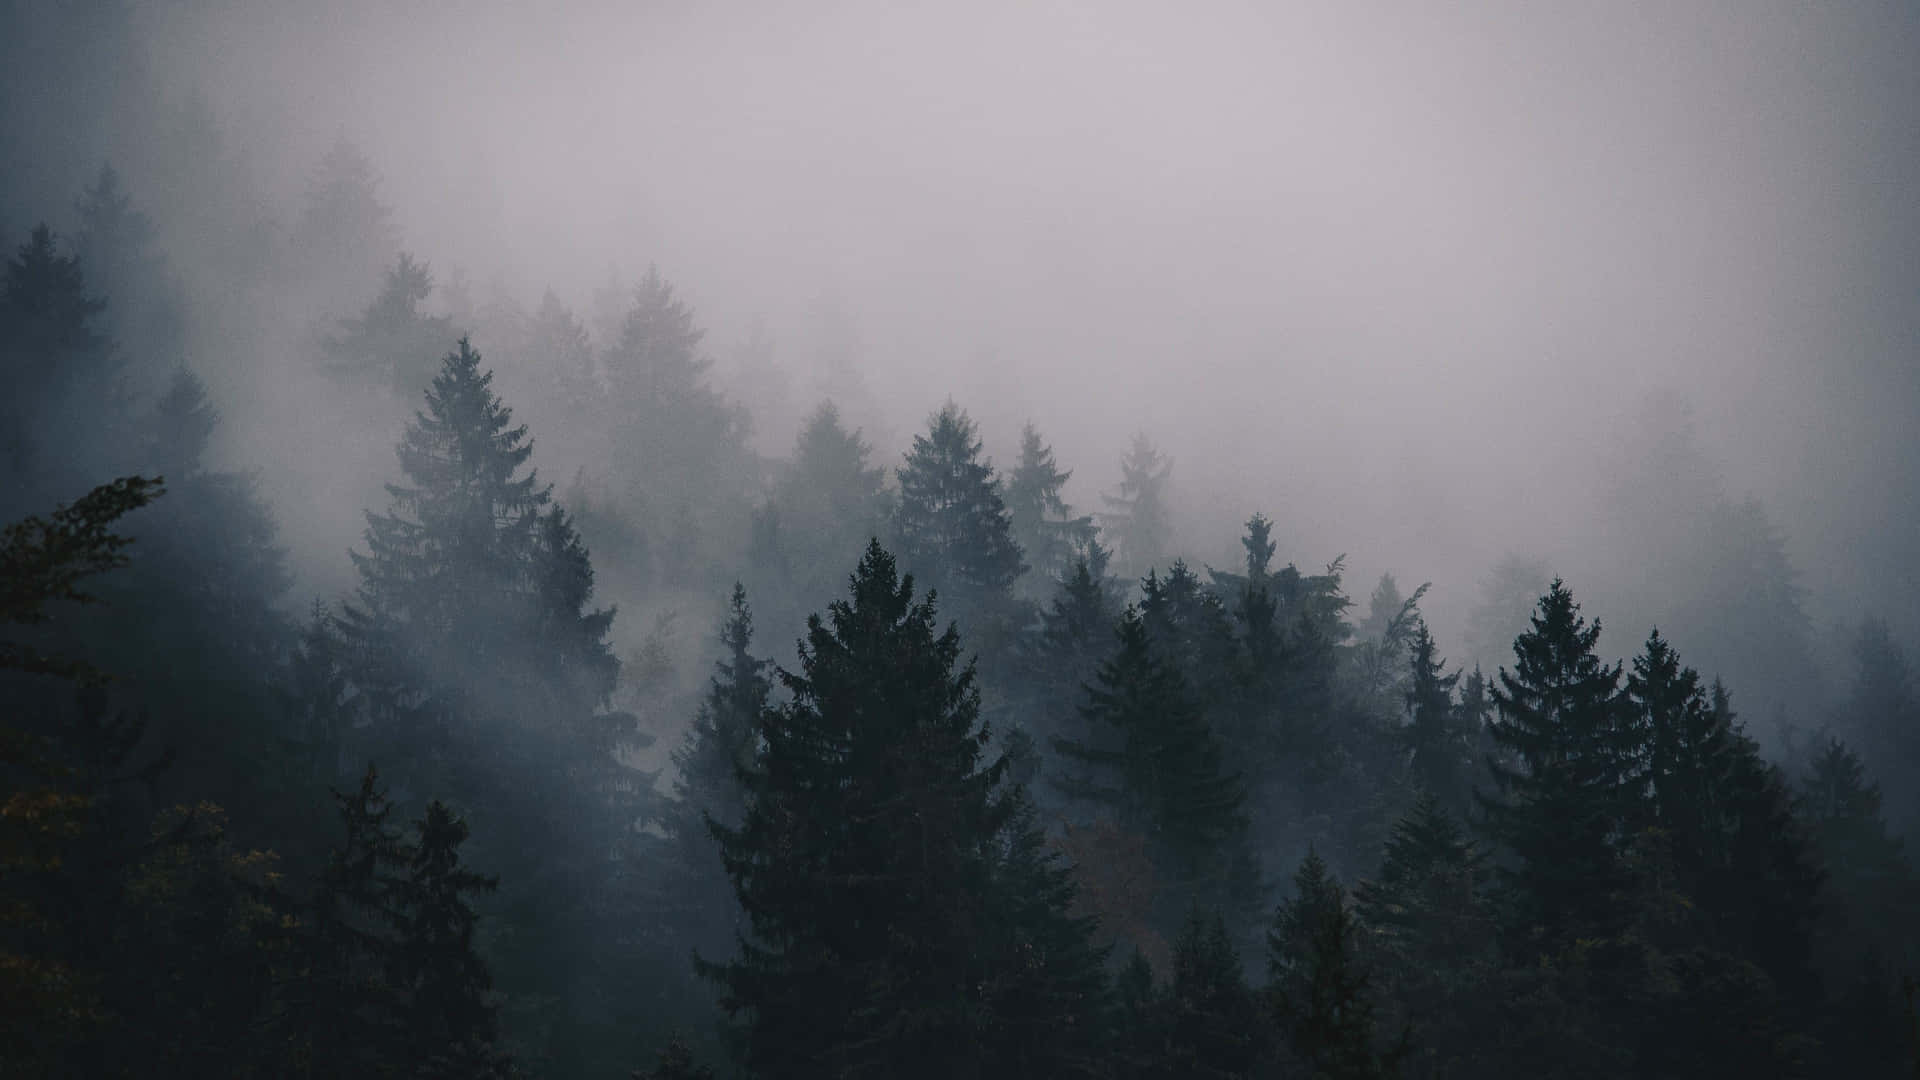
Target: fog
(1432, 287)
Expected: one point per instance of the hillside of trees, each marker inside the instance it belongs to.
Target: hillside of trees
(1029, 795)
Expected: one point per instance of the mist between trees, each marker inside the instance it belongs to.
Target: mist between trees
(411, 677)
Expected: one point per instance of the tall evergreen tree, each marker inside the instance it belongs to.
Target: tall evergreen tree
(1150, 754)
(61, 372)
(444, 984)
(951, 522)
(484, 674)
(1044, 526)
(392, 343)
(884, 937)
(1138, 517)
(1559, 807)
(1440, 751)
(1320, 990)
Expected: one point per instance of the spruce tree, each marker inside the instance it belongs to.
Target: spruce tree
(1319, 988)
(444, 985)
(870, 865)
(1138, 517)
(1559, 806)
(1045, 527)
(484, 675)
(1151, 755)
(1212, 1019)
(61, 375)
(1440, 751)
(952, 524)
(392, 343)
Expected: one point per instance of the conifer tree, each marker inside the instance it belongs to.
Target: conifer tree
(114, 244)
(1138, 517)
(392, 343)
(827, 505)
(1560, 806)
(1441, 752)
(1152, 756)
(951, 522)
(61, 374)
(1045, 527)
(1319, 988)
(719, 749)
(485, 675)
(1212, 1018)
(870, 861)
(344, 233)
(445, 987)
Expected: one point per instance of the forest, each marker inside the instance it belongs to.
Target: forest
(407, 677)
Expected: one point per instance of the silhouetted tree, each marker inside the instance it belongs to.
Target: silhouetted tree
(1138, 517)
(952, 525)
(871, 863)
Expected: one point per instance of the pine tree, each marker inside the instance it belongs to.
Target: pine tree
(675, 1062)
(485, 675)
(868, 865)
(952, 525)
(344, 233)
(345, 1009)
(1882, 713)
(1320, 992)
(1151, 755)
(61, 374)
(445, 987)
(1559, 807)
(678, 448)
(1045, 527)
(827, 505)
(114, 244)
(1138, 517)
(1212, 1019)
(1441, 753)
(718, 750)
(392, 343)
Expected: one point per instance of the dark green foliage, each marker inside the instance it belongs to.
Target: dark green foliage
(1150, 754)
(1211, 1016)
(444, 985)
(1440, 746)
(952, 526)
(872, 865)
(62, 376)
(1319, 987)
(1559, 806)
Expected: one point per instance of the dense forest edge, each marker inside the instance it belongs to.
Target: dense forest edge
(960, 778)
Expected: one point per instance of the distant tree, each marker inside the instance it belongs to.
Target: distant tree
(1044, 526)
(62, 374)
(1558, 807)
(1882, 712)
(889, 930)
(1507, 593)
(1441, 748)
(951, 522)
(114, 242)
(1138, 517)
(1379, 661)
(678, 448)
(826, 505)
(392, 343)
(344, 233)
